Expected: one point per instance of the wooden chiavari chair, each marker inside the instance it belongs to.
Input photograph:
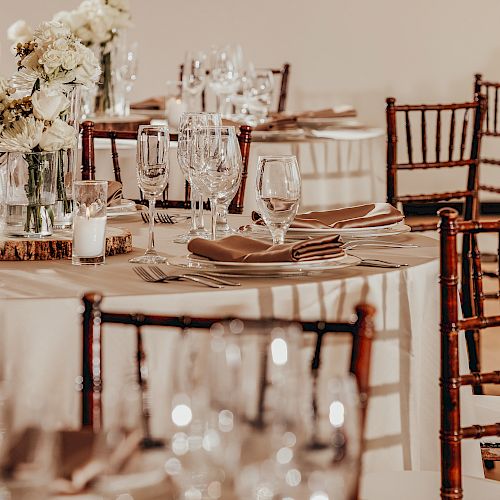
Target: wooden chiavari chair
(88, 162)
(491, 122)
(452, 433)
(93, 319)
(444, 155)
(283, 73)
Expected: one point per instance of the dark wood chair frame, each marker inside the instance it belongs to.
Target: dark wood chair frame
(470, 194)
(488, 88)
(452, 433)
(93, 318)
(284, 72)
(88, 161)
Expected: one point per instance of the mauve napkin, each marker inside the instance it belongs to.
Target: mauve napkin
(369, 215)
(115, 193)
(151, 103)
(281, 121)
(241, 249)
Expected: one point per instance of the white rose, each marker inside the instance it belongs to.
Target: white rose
(48, 105)
(74, 19)
(20, 32)
(58, 136)
(51, 61)
(70, 60)
(52, 30)
(61, 44)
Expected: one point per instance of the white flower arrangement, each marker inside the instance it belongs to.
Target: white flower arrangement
(33, 123)
(54, 57)
(96, 22)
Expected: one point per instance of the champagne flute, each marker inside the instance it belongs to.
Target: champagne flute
(194, 74)
(217, 166)
(278, 187)
(189, 122)
(152, 176)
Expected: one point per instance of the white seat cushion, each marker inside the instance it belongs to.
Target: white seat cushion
(422, 486)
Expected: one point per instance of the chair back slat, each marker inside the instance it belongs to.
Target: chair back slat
(452, 433)
(464, 133)
(423, 138)
(451, 140)
(438, 136)
(408, 137)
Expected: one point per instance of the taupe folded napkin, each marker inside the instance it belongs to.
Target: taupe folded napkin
(151, 103)
(282, 121)
(115, 193)
(369, 215)
(240, 249)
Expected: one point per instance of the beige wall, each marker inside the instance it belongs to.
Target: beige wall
(341, 51)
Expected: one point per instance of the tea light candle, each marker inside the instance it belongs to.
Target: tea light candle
(174, 109)
(89, 235)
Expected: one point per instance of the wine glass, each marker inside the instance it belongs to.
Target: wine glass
(278, 187)
(189, 122)
(194, 73)
(225, 75)
(217, 167)
(129, 73)
(152, 176)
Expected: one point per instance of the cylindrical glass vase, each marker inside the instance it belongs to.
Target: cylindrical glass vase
(66, 167)
(31, 193)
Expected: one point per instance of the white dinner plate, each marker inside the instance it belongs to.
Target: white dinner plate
(348, 134)
(265, 268)
(352, 232)
(127, 207)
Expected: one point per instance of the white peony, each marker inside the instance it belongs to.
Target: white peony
(58, 136)
(22, 136)
(20, 32)
(48, 105)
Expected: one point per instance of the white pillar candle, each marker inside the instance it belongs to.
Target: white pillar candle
(174, 109)
(89, 234)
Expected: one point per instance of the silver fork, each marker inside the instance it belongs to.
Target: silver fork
(161, 274)
(145, 275)
(160, 218)
(349, 245)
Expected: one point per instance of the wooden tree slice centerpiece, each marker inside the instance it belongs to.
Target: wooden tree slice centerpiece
(59, 246)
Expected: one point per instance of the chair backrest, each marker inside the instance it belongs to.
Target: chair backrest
(283, 72)
(457, 146)
(491, 122)
(362, 331)
(452, 432)
(88, 161)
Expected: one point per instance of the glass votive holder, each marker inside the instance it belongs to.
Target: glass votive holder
(89, 222)
(174, 104)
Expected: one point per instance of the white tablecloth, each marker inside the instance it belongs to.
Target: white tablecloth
(347, 171)
(40, 321)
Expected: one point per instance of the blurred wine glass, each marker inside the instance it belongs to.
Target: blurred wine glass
(225, 75)
(129, 72)
(194, 75)
(278, 187)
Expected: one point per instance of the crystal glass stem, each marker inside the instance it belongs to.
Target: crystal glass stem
(151, 238)
(213, 209)
(197, 207)
(278, 234)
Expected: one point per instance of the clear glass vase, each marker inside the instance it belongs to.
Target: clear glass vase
(110, 94)
(66, 163)
(31, 193)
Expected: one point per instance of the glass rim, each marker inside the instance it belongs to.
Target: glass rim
(277, 157)
(90, 183)
(214, 127)
(153, 127)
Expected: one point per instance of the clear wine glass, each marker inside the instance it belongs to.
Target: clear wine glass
(194, 74)
(129, 74)
(152, 176)
(217, 167)
(189, 122)
(278, 187)
(225, 75)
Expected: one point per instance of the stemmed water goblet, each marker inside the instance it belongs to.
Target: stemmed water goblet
(188, 124)
(278, 187)
(152, 176)
(217, 166)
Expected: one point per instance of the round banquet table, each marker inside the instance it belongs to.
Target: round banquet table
(346, 169)
(40, 320)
